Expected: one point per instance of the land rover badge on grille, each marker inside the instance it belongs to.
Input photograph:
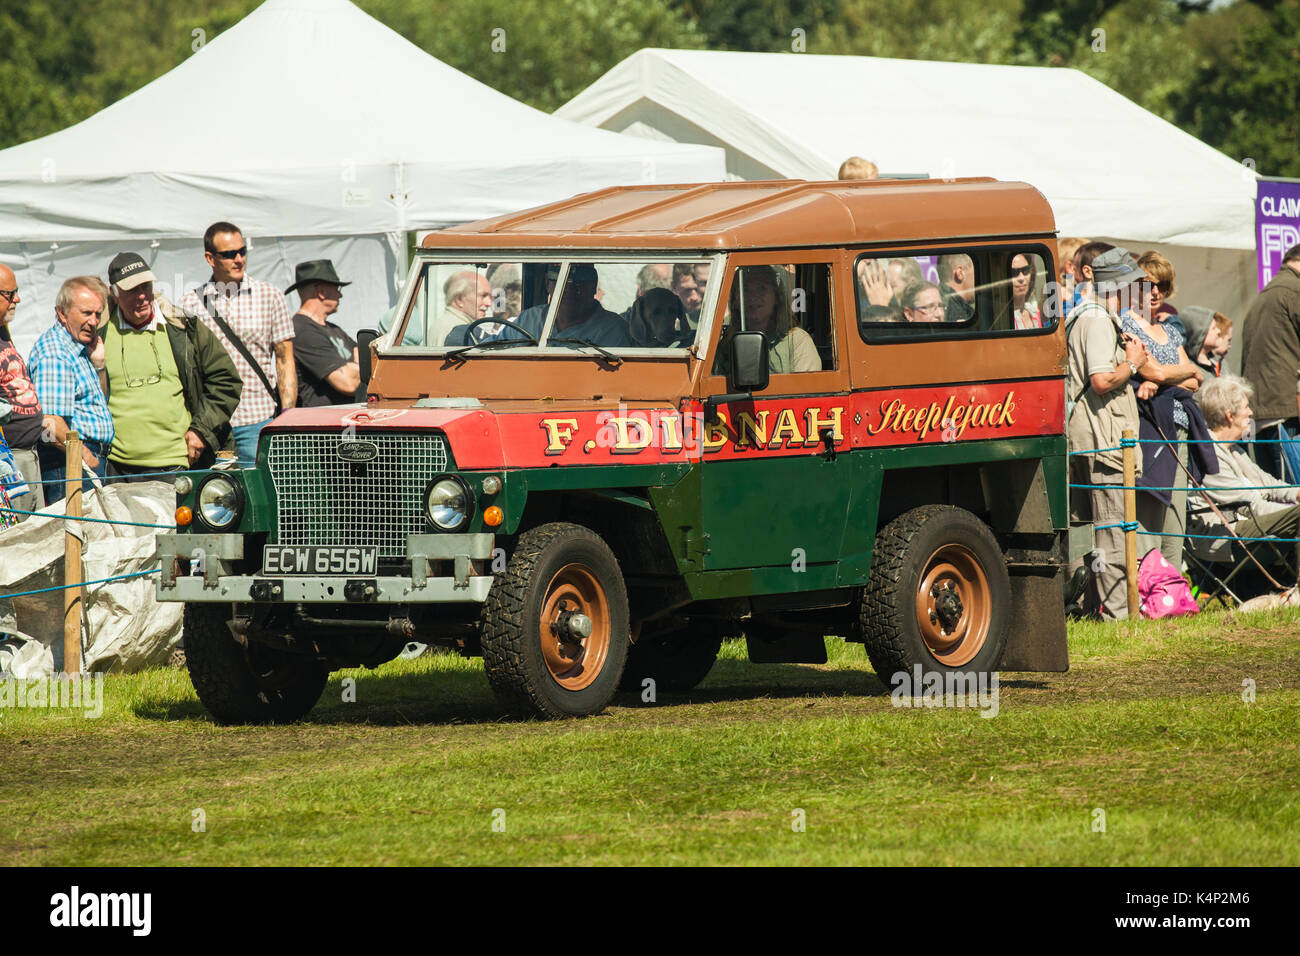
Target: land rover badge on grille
(357, 451)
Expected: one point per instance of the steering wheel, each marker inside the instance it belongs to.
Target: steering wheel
(489, 320)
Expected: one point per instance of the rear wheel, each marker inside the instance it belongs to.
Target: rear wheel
(246, 685)
(676, 661)
(555, 624)
(938, 594)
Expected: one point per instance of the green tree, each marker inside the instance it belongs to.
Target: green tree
(542, 53)
(979, 31)
(1242, 96)
(765, 26)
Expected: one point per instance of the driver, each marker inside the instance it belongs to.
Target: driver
(578, 316)
(468, 296)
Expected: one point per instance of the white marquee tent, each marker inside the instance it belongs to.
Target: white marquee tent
(1109, 168)
(321, 133)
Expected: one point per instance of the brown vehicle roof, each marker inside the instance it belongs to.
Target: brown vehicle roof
(756, 215)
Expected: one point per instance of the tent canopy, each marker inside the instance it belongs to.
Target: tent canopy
(322, 134)
(1121, 172)
(309, 117)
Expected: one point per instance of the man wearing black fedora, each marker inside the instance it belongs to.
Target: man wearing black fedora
(326, 356)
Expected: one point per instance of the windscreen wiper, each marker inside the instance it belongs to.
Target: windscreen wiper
(605, 353)
(489, 344)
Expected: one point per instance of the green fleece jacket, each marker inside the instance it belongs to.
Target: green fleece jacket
(208, 378)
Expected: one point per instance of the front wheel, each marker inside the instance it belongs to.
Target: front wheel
(555, 624)
(938, 595)
(246, 684)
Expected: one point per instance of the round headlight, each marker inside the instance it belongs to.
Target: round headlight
(183, 484)
(220, 501)
(448, 504)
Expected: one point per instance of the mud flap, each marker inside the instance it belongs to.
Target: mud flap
(1036, 639)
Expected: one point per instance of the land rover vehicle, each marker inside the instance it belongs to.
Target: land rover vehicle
(832, 444)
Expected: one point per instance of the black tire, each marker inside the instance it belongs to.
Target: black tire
(253, 685)
(556, 569)
(901, 627)
(676, 661)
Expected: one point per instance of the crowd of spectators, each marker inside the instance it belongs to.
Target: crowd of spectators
(1137, 363)
(153, 387)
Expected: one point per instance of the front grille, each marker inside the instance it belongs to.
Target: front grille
(325, 500)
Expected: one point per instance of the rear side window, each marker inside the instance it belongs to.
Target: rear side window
(1005, 290)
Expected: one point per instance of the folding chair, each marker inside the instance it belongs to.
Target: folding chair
(1220, 564)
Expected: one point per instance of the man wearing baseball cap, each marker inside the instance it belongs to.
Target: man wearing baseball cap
(171, 385)
(1102, 362)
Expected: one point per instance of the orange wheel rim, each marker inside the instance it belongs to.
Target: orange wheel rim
(574, 661)
(954, 607)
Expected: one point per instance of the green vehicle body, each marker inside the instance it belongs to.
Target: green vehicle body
(764, 523)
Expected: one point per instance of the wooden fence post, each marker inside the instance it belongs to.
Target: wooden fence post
(72, 594)
(1130, 520)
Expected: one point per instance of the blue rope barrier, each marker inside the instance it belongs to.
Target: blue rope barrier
(1095, 451)
(111, 479)
(41, 514)
(1185, 441)
(1210, 537)
(1188, 487)
(64, 587)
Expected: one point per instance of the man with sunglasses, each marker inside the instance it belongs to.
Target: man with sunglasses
(171, 386)
(253, 321)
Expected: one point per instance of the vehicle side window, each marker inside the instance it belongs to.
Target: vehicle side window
(791, 305)
(956, 293)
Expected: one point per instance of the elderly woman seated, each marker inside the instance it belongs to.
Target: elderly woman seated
(1255, 504)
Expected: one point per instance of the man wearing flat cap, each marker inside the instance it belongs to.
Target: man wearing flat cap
(328, 371)
(171, 386)
(1102, 362)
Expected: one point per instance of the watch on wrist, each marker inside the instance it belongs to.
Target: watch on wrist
(1133, 367)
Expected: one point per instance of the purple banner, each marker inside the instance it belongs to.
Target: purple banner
(1277, 225)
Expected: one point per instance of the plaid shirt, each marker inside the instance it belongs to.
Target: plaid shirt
(258, 314)
(68, 385)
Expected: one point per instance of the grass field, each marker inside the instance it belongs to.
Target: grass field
(1149, 727)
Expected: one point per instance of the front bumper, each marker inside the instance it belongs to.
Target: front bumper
(210, 579)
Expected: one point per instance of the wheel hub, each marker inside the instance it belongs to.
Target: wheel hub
(954, 605)
(575, 627)
(948, 607)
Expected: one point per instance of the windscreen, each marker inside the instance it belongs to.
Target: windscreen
(621, 305)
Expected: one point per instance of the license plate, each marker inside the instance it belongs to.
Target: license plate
(318, 559)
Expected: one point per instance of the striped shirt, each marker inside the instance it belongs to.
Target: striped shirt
(68, 385)
(258, 314)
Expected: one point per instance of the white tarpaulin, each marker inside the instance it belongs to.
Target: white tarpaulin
(128, 629)
(1108, 167)
(321, 133)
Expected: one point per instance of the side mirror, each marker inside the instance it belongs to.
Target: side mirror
(747, 371)
(364, 338)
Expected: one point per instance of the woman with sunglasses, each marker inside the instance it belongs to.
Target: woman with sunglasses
(1156, 292)
(1025, 312)
(1162, 513)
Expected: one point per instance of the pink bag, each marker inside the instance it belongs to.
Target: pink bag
(1162, 591)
